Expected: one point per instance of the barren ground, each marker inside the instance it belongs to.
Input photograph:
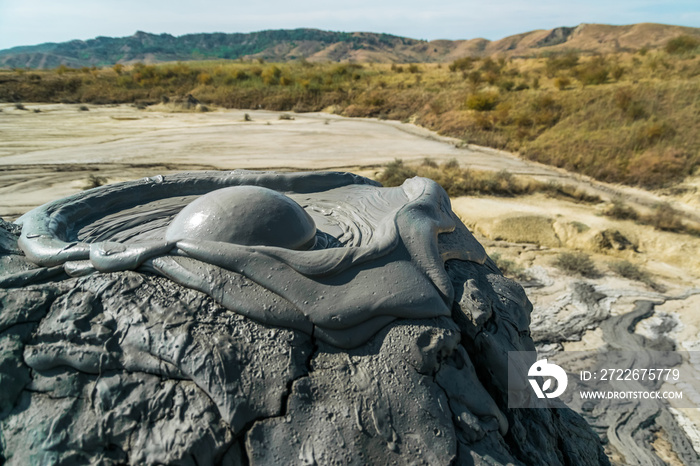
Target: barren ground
(50, 151)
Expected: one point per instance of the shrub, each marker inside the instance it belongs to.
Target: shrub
(462, 64)
(620, 211)
(428, 162)
(271, 75)
(617, 72)
(657, 167)
(682, 44)
(506, 85)
(630, 271)
(624, 100)
(569, 192)
(653, 132)
(413, 68)
(508, 267)
(474, 77)
(664, 217)
(561, 62)
(484, 121)
(482, 101)
(562, 82)
(396, 173)
(451, 164)
(577, 263)
(489, 65)
(490, 77)
(95, 181)
(627, 269)
(240, 75)
(592, 74)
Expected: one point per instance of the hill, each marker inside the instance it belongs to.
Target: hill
(320, 46)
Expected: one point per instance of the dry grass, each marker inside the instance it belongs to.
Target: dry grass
(663, 217)
(577, 263)
(508, 267)
(624, 117)
(94, 181)
(631, 271)
(458, 181)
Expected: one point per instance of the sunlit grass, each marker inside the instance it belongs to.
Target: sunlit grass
(627, 117)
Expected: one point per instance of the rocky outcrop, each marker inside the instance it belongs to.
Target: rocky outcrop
(555, 36)
(131, 367)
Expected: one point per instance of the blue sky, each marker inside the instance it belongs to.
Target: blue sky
(29, 22)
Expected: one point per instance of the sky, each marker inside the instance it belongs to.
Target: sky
(31, 22)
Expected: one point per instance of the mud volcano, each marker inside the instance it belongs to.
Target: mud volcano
(263, 318)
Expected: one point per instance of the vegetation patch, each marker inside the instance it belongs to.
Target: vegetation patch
(508, 267)
(458, 181)
(577, 263)
(94, 181)
(631, 271)
(625, 117)
(662, 217)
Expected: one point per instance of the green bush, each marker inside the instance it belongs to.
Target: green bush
(482, 101)
(271, 75)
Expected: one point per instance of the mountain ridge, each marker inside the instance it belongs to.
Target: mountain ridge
(320, 45)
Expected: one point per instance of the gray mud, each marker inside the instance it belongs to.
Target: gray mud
(187, 228)
(131, 367)
(628, 430)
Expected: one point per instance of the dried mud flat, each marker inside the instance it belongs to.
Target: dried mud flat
(50, 151)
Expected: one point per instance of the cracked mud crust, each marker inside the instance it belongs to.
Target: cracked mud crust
(133, 368)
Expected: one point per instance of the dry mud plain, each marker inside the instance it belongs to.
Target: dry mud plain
(49, 151)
